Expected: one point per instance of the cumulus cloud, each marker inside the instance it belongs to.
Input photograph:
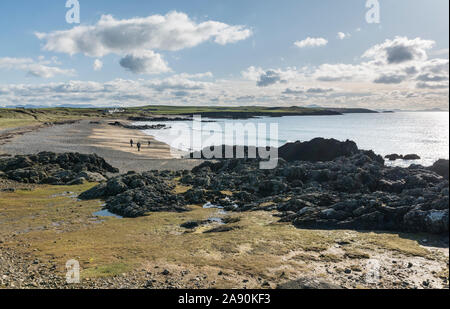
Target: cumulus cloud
(98, 65)
(290, 91)
(343, 72)
(313, 91)
(425, 85)
(195, 76)
(342, 35)
(40, 69)
(177, 83)
(391, 62)
(319, 90)
(178, 90)
(252, 73)
(269, 78)
(311, 42)
(390, 79)
(427, 77)
(400, 50)
(145, 62)
(173, 31)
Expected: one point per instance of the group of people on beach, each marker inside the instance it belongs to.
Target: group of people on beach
(139, 145)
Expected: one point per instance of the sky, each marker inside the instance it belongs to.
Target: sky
(226, 52)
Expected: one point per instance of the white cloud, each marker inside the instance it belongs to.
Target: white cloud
(342, 35)
(400, 50)
(174, 31)
(265, 78)
(441, 52)
(252, 73)
(145, 62)
(311, 42)
(391, 62)
(176, 82)
(98, 65)
(390, 79)
(32, 68)
(195, 76)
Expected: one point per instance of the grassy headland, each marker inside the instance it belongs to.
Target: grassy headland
(20, 117)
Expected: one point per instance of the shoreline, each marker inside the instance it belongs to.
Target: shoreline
(97, 136)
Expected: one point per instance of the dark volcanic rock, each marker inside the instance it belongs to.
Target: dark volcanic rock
(355, 190)
(139, 127)
(410, 157)
(318, 149)
(394, 157)
(193, 224)
(441, 168)
(56, 169)
(133, 195)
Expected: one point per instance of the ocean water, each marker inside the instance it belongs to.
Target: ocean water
(422, 133)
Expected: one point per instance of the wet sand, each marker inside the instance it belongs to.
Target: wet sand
(110, 142)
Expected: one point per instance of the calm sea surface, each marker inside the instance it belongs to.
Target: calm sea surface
(422, 133)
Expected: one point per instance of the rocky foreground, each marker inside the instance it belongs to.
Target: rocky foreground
(321, 184)
(333, 186)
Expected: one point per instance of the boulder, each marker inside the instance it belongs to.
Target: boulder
(394, 157)
(410, 157)
(441, 168)
(318, 149)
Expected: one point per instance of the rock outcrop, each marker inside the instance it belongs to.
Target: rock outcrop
(408, 157)
(317, 150)
(334, 186)
(134, 195)
(56, 169)
(138, 127)
(441, 168)
(356, 192)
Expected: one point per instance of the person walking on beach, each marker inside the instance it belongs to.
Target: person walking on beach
(138, 146)
(131, 143)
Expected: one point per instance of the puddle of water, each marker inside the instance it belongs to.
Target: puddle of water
(106, 213)
(210, 205)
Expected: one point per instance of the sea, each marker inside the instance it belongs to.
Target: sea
(423, 133)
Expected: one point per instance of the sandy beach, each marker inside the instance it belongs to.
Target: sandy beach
(91, 136)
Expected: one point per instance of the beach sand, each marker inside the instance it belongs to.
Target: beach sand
(110, 142)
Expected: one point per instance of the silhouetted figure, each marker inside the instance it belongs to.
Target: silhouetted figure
(131, 143)
(149, 143)
(138, 146)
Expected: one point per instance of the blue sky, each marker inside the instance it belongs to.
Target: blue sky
(262, 52)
